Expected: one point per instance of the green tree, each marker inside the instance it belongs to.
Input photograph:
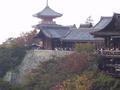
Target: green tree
(10, 58)
(85, 48)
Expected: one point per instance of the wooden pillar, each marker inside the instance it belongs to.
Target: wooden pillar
(105, 42)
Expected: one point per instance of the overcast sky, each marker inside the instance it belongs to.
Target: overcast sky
(16, 15)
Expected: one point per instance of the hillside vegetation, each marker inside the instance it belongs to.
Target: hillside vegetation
(77, 71)
(12, 52)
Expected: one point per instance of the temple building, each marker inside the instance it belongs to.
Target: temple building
(53, 36)
(109, 29)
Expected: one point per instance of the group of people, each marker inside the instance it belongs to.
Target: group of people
(109, 51)
(65, 49)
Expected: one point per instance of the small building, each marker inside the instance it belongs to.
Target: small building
(55, 36)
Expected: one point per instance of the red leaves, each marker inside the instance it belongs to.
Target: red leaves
(52, 73)
(75, 62)
(25, 38)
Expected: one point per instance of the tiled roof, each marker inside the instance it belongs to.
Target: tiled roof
(107, 33)
(55, 33)
(87, 25)
(103, 23)
(108, 26)
(50, 26)
(48, 12)
(82, 34)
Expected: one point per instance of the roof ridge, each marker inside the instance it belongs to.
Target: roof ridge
(67, 33)
(102, 17)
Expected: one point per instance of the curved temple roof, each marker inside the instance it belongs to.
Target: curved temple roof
(108, 26)
(48, 12)
(54, 33)
(83, 34)
(103, 23)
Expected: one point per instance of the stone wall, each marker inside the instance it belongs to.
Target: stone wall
(32, 60)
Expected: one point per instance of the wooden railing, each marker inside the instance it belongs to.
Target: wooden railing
(109, 53)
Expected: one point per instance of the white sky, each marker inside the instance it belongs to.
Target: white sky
(16, 15)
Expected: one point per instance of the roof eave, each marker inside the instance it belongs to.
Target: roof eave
(46, 13)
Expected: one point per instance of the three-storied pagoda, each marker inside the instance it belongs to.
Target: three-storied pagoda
(50, 32)
(47, 15)
(53, 36)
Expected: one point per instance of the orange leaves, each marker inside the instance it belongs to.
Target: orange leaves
(82, 82)
(75, 62)
(51, 74)
(25, 38)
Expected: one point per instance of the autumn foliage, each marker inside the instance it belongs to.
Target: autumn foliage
(25, 39)
(55, 71)
(75, 62)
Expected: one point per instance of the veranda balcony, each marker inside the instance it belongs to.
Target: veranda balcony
(109, 53)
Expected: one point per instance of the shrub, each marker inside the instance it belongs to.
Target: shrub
(7, 86)
(105, 82)
(10, 58)
(54, 71)
(79, 82)
(85, 47)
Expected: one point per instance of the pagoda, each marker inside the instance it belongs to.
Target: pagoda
(52, 36)
(47, 15)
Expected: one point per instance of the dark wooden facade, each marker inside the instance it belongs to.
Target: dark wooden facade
(55, 43)
(109, 29)
(64, 38)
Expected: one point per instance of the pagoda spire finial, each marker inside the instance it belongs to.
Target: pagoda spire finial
(47, 3)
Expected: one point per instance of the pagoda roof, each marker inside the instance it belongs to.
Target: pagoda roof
(50, 26)
(48, 12)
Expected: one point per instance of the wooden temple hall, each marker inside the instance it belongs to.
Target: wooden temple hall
(109, 29)
(53, 36)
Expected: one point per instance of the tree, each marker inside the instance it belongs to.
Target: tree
(10, 58)
(89, 20)
(26, 39)
(51, 73)
(85, 47)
